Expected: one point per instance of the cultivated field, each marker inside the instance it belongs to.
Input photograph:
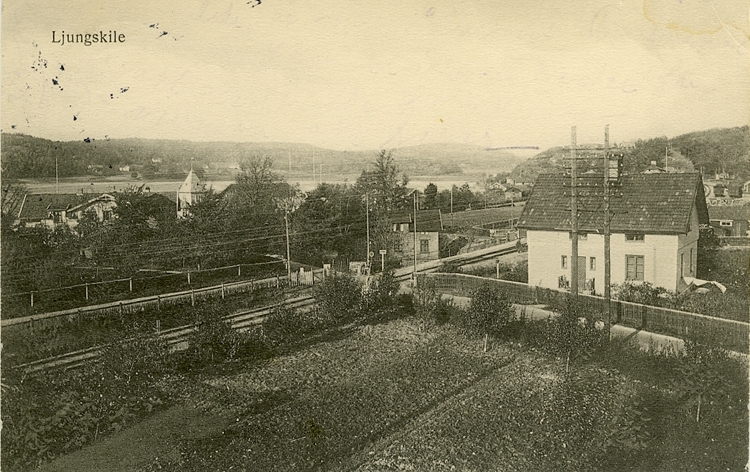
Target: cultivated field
(402, 396)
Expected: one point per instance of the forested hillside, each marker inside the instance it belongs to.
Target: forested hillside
(721, 150)
(26, 156)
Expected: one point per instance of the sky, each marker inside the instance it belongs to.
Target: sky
(363, 75)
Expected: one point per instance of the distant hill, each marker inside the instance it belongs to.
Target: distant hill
(714, 151)
(26, 156)
(432, 159)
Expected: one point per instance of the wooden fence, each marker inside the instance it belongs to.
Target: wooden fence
(125, 307)
(729, 334)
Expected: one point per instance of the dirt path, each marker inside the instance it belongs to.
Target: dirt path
(156, 437)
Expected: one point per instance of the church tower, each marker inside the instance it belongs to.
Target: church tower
(190, 192)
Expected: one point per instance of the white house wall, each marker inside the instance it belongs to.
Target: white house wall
(660, 257)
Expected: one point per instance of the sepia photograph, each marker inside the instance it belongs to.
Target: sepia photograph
(274, 235)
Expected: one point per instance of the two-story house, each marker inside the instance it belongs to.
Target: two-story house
(654, 225)
(429, 223)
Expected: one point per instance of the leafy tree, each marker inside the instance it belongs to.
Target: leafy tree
(382, 183)
(332, 219)
(430, 196)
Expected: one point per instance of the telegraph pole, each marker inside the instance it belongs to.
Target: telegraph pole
(453, 223)
(607, 262)
(415, 238)
(288, 252)
(573, 215)
(367, 211)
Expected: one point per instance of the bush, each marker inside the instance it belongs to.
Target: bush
(339, 297)
(381, 299)
(288, 325)
(489, 311)
(644, 293)
(213, 340)
(428, 304)
(142, 359)
(573, 333)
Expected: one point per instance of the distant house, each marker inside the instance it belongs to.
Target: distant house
(190, 192)
(729, 220)
(655, 221)
(653, 169)
(513, 194)
(428, 226)
(53, 210)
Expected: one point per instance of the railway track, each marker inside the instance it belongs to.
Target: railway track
(177, 338)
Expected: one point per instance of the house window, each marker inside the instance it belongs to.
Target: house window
(424, 246)
(633, 236)
(592, 263)
(564, 262)
(107, 215)
(398, 246)
(725, 222)
(634, 265)
(57, 217)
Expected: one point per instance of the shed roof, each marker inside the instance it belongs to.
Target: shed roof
(427, 220)
(647, 203)
(729, 212)
(36, 206)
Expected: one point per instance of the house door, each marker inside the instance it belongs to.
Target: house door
(581, 273)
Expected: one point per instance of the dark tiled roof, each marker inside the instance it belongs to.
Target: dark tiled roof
(729, 212)
(37, 205)
(648, 203)
(427, 220)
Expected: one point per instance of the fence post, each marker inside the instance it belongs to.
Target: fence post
(32, 299)
(158, 302)
(239, 270)
(192, 297)
(188, 277)
(87, 290)
(120, 308)
(131, 284)
(277, 281)
(158, 326)
(222, 290)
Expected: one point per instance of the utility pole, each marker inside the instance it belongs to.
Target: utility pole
(288, 252)
(607, 262)
(573, 216)
(367, 211)
(415, 239)
(453, 223)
